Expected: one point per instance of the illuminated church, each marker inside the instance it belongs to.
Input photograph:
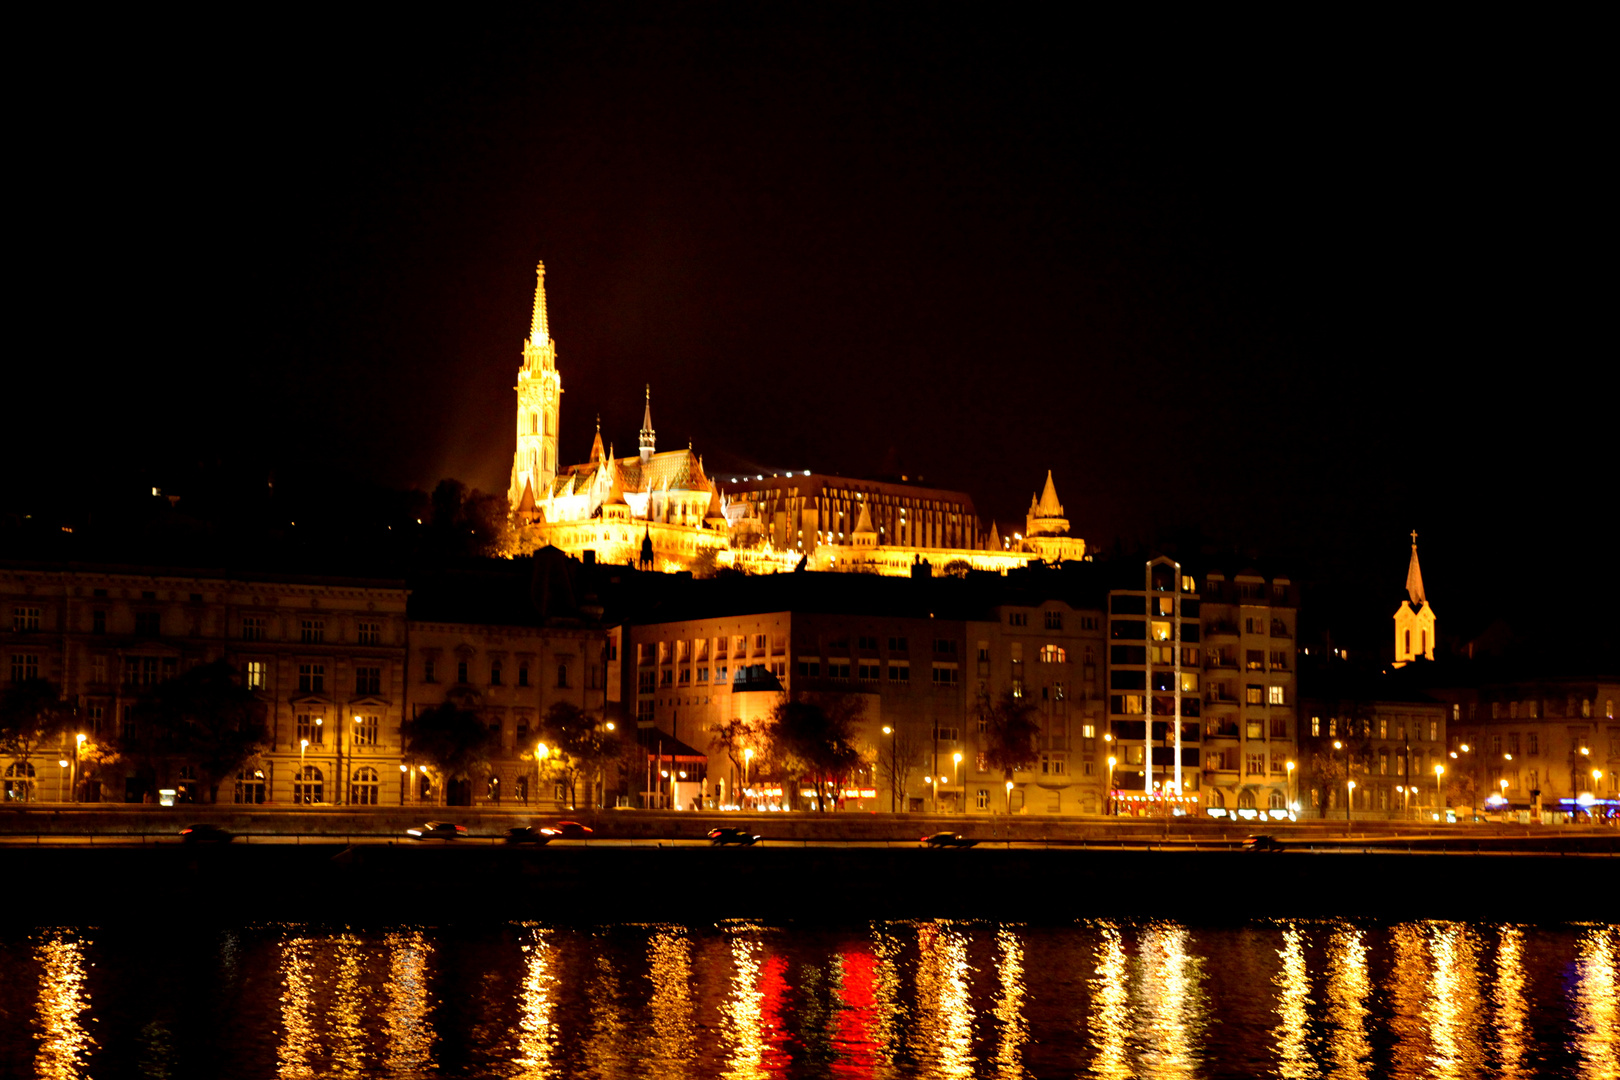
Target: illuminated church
(662, 511)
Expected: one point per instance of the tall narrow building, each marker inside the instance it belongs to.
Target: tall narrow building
(539, 393)
(1414, 620)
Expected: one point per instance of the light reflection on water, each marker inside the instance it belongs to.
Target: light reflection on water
(929, 999)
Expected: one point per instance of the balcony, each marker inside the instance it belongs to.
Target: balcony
(1221, 626)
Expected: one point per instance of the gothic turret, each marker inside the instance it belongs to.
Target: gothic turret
(647, 441)
(1414, 619)
(539, 392)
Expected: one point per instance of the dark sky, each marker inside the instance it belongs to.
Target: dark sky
(1305, 288)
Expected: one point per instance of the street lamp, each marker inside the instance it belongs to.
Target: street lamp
(1009, 813)
(303, 786)
(1113, 807)
(61, 771)
(1337, 745)
(748, 757)
(78, 747)
(957, 773)
(1439, 799)
(894, 769)
(1292, 803)
(402, 786)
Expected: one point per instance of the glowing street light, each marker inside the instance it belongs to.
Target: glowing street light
(956, 772)
(61, 767)
(1291, 801)
(894, 768)
(1113, 806)
(303, 780)
(1439, 798)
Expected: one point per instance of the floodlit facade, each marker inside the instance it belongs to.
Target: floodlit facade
(1414, 619)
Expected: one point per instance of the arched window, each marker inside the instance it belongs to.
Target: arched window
(309, 786)
(493, 789)
(250, 787)
(1245, 800)
(1053, 654)
(1216, 798)
(364, 787)
(534, 423)
(20, 781)
(534, 461)
(1277, 801)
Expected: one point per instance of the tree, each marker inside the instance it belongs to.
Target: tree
(1325, 772)
(957, 568)
(578, 744)
(32, 713)
(94, 755)
(1010, 732)
(204, 718)
(903, 756)
(736, 737)
(813, 737)
(450, 737)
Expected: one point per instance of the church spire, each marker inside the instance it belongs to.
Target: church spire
(539, 332)
(597, 452)
(1414, 577)
(647, 441)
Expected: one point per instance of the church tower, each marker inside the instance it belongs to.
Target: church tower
(1414, 620)
(648, 443)
(539, 393)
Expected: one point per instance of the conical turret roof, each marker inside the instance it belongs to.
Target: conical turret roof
(1414, 577)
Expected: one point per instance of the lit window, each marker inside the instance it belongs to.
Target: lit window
(364, 787)
(1276, 695)
(255, 674)
(1053, 654)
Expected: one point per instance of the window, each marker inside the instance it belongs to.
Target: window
(312, 678)
(1017, 618)
(1532, 743)
(370, 633)
(255, 674)
(1255, 659)
(684, 676)
(562, 675)
(899, 672)
(1383, 763)
(365, 729)
(1383, 728)
(24, 666)
(702, 675)
(249, 787)
(148, 623)
(897, 644)
(944, 676)
(1316, 727)
(1434, 731)
(523, 673)
(1255, 729)
(837, 671)
(1254, 764)
(865, 642)
(945, 646)
(1054, 620)
(644, 711)
(1053, 654)
(253, 628)
(461, 671)
(310, 728)
(24, 619)
(778, 644)
(759, 643)
(364, 787)
(98, 622)
(947, 734)
(721, 674)
(311, 631)
(1275, 695)
(1279, 727)
(427, 672)
(494, 673)
(1088, 622)
(981, 799)
(779, 668)
(869, 672)
(368, 680)
(309, 785)
(96, 714)
(1513, 742)
(1255, 695)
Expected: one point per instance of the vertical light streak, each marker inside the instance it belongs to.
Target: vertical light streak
(1407, 1022)
(1348, 987)
(854, 1019)
(1110, 1007)
(1452, 1007)
(1597, 1005)
(535, 1036)
(1510, 1005)
(293, 1057)
(407, 1002)
(1293, 983)
(670, 970)
(886, 997)
(944, 1031)
(347, 1012)
(64, 1044)
(610, 1042)
(1009, 1010)
(744, 1022)
(1170, 988)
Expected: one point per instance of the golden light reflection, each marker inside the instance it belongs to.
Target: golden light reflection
(1407, 983)
(1452, 1009)
(348, 1010)
(1170, 987)
(293, 1057)
(1293, 983)
(1348, 986)
(886, 950)
(1510, 1005)
(744, 1044)
(1110, 1008)
(1009, 1010)
(944, 1031)
(407, 1002)
(670, 959)
(1597, 1004)
(64, 1044)
(535, 1036)
(610, 1028)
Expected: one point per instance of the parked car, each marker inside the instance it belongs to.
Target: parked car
(568, 830)
(437, 830)
(729, 834)
(947, 839)
(205, 834)
(1262, 843)
(527, 834)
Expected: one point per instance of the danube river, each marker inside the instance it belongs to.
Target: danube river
(1104, 998)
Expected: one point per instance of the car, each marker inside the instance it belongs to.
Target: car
(437, 830)
(946, 839)
(1262, 843)
(527, 834)
(730, 834)
(568, 830)
(205, 834)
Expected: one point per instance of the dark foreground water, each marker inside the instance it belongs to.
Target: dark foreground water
(931, 999)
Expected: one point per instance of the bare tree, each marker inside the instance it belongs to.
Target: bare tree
(899, 759)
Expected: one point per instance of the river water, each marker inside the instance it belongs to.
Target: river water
(1101, 998)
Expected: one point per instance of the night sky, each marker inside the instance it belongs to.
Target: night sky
(1302, 288)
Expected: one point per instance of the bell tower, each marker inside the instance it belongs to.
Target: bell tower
(539, 393)
(1414, 619)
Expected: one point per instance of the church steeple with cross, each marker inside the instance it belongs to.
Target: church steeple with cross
(1414, 619)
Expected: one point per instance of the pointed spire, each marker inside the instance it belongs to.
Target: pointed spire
(1414, 577)
(863, 524)
(539, 332)
(647, 441)
(995, 538)
(597, 453)
(1049, 505)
